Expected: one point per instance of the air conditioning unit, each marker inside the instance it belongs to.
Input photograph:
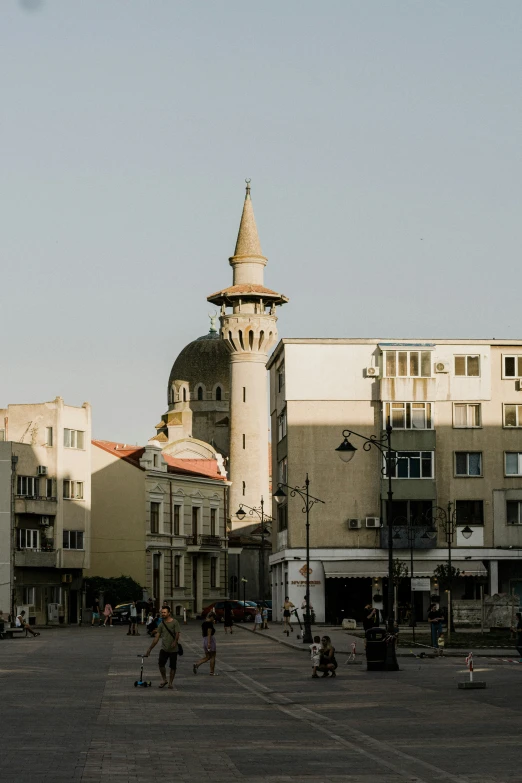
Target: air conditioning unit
(442, 366)
(373, 522)
(42, 470)
(518, 385)
(354, 524)
(372, 372)
(45, 521)
(67, 578)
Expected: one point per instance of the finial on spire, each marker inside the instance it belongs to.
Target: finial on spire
(248, 181)
(213, 317)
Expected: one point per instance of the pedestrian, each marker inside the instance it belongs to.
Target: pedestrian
(518, 630)
(287, 611)
(96, 614)
(168, 631)
(315, 655)
(133, 620)
(258, 620)
(264, 615)
(151, 624)
(327, 662)
(227, 617)
(435, 618)
(150, 606)
(209, 644)
(370, 617)
(107, 613)
(20, 623)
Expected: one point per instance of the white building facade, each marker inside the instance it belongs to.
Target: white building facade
(456, 411)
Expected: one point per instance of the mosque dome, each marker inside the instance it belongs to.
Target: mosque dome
(203, 361)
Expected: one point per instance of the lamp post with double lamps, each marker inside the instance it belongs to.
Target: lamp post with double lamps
(309, 501)
(412, 531)
(446, 518)
(346, 452)
(241, 514)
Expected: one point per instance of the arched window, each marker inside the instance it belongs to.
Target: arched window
(184, 394)
(200, 392)
(218, 392)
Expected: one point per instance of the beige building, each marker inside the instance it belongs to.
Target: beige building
(456, 411)
(160, 518)
(45, 509)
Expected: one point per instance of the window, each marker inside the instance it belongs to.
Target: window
(468, 366)
(281, 426)
(73, 539)
(219, 393)
(466, 415)
(244, 393)
(49, 487)
(410, 512)
(513, 366)
(154, 517)
(48, 436)
(213, 522)
(195, 520)
(281, 377)
(213, 572)
(244, 489)
(27, 486)
(72, 490)
(200, 393)
(412, 464)
(409, 415)
(2, 435)
(177, 516)
(282, 516)
(282, 471)
(55, 595)
(512, 415)
(27, 539)
(73, 439)
(28, 596)
(184, 394)
(177, 570)
(468, 463)
(407, 364)
(470, 512)
(514, 512)
(513, 463)
(244, 441)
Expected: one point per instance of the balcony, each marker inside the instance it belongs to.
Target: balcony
(421, 536)
(202, 543)
(35, 504)
(35, 558)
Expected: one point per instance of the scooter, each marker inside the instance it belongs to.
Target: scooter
(141, 683)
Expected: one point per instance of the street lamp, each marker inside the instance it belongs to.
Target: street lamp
(412, 531)
(303, 492)
(447, 520)
(244, 581)
(241, 514)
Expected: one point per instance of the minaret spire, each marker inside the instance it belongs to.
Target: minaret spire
(248, 244)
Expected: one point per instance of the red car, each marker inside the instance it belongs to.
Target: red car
(240, 612)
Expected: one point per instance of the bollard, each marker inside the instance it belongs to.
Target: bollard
(472, 684)
(184, 616)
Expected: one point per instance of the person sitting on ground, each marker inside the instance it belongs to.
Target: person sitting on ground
(327, 662)
(315, 655)
(258, 621)
(20, 623)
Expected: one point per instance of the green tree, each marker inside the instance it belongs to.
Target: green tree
(442, 573)
(116, 589)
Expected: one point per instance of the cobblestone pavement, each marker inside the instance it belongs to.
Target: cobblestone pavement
(69, 712)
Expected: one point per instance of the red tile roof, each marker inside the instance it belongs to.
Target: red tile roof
(206, 468)
(245, 289)
(131, 454)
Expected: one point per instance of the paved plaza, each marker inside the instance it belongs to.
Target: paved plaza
(70, 713)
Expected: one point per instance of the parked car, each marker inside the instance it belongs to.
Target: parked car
(240, 611)
(121, 613)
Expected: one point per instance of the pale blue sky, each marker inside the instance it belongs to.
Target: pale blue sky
(383, 140)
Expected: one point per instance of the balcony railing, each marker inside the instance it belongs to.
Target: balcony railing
(404, 536)
(212, 542)
(36, 497)
(35, 558)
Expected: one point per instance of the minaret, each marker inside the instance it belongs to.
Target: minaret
(248, 327)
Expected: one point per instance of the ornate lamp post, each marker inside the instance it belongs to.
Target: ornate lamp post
(309, 501)
(412, 531)
(446, 519)
(346, 452)
(241, 514)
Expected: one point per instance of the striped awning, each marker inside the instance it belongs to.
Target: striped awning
(350, 569)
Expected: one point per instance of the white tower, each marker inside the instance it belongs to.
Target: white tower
(248, 327)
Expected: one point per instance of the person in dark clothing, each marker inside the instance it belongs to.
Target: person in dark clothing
(435, 618)
(227, 617)
(518, 631)
(209, 644)
(370, 617)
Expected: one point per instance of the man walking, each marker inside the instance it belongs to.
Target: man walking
(168, 631)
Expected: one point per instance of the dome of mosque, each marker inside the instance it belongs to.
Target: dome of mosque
(206, 361)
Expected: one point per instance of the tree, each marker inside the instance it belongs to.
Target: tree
(116, 589)
(442, 574)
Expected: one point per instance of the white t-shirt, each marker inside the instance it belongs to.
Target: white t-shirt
(315, 650)
(18, 621)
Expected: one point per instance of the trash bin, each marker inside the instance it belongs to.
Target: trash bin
(376, 649)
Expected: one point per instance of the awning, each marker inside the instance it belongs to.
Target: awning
(350, 569)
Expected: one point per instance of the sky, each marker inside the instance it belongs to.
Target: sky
(383, 143)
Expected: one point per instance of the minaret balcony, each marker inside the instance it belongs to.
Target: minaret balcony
(249, 333)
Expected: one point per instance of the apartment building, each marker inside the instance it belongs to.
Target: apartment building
(45, 504)
(162, 520)
(456, 411)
